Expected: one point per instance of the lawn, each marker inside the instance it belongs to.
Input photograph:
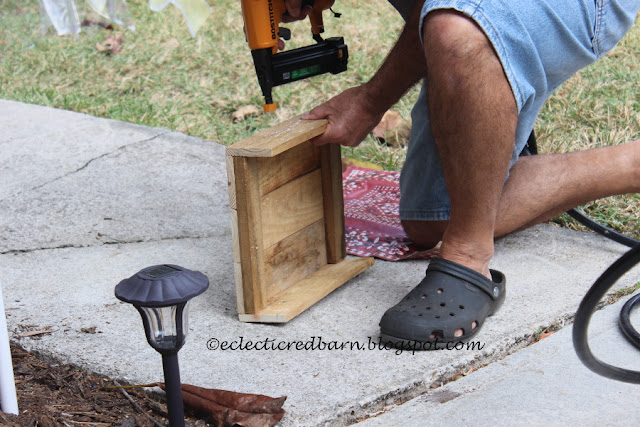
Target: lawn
(165, 78)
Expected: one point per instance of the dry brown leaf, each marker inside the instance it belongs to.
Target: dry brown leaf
(399, 136)
(390, 120)
(243, 113)
(91, 22)
(545, 335)
(111, 44)
(38, 332)
(346, 162)
(157, 97)
(170, 44)
(228, 408)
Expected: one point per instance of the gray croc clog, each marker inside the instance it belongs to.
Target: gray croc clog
(451, 297)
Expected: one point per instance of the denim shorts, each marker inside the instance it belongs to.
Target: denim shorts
(540, 45)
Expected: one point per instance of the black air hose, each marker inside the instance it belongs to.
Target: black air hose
(598, 290)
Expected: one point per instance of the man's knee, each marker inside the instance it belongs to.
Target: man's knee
(451, 35)
(425, 233)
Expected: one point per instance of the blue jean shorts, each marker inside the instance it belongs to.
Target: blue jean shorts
(540, 45)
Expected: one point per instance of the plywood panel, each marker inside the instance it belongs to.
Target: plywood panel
(291, 208)
(277, 171)
(294, 258)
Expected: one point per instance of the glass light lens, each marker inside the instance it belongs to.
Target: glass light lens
(167, 326)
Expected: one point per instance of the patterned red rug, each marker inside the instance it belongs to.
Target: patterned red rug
(371, 204)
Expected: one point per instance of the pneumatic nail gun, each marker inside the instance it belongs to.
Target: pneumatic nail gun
(262, 20)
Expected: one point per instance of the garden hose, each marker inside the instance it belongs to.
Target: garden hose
(586, 310)
(590, 302)
(601, 229)
(625, 323)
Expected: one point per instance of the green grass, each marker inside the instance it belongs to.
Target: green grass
(599, 106)
(165, 78)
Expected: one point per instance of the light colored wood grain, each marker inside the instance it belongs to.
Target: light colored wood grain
(234, 235)
(231, 182)
(333, 203)
(294, 258)
(278, 139)
(237, 271)
(250, 233)
(307, 292)
(277, 171)
(237, 260)
(291, 207)
(288, 221)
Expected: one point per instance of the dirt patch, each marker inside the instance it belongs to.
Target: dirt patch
(52, 394)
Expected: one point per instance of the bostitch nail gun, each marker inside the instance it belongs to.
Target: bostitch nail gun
(262, 29)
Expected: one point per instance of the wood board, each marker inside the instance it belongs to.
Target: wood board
(287, 215)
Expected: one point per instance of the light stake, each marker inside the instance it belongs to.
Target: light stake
(161, 293)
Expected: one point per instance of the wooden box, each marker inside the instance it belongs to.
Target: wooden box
(288, 221)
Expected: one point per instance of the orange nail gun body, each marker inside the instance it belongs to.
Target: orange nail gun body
(262, 20)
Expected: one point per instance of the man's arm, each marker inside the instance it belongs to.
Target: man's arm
(355, 112)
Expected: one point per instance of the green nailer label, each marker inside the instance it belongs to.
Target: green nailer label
(304, 72)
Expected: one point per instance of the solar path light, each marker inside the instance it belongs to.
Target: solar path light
(161, 293)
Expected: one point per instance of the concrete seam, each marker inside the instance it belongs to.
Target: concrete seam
(97, 158)
(114, 242)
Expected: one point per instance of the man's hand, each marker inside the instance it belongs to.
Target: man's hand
(355, 112)
(295, 12)
(352, 116)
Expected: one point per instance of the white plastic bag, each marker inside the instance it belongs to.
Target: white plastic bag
(195, 12)
(62, 14)
(114, 10)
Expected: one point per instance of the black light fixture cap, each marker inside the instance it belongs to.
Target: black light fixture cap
(161, 285)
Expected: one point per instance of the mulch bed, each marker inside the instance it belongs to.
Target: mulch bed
(52, 394)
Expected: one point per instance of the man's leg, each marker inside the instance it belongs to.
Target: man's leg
(473, 120)
(488, 71)
(543, 186)
(538, 187)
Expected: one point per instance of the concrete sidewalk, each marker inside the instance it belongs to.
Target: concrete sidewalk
(87, 202)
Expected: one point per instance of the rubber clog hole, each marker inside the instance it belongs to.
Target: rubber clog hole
(462, 307)
(440, 290)
(442, 304)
